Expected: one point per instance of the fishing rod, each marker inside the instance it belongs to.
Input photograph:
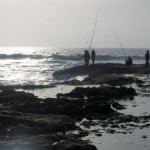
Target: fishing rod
(119, 42)
(86, 41)
(92, 37)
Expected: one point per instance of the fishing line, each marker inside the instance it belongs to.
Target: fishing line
(86, 42)
(119, 42)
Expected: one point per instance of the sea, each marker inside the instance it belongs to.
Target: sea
(28, 66)
(23, 66)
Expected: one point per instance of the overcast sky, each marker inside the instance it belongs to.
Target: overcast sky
(66, 23)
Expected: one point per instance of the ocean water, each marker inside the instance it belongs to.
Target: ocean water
(35, 66)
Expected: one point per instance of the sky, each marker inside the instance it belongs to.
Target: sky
(69, 23)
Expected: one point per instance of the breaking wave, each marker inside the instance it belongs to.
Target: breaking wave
(21, 56)
(98, 57)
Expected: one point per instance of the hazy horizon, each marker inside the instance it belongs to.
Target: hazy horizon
(74, 47)
(66, 24)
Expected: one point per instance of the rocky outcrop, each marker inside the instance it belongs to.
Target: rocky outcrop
(103, 92)
(107, 68)
(42, 123)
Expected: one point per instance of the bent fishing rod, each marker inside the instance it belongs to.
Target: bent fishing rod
(119, 43)
(86, 41)
(92, 37)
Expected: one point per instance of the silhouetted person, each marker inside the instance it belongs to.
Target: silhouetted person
(129, 61)
(86, 57)
(93, 56)
(147, 59)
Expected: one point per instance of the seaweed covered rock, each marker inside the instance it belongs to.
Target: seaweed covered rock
(74, 144)
(103, 91)
(11, 96)
(118, 106)
(123, 91)
(72, 108)
(29, 124)
(28, 103)
(111, 92)
(98, 108)
(121, 80)
(46, 142)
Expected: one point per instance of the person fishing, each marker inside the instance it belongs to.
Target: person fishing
(87, 52)
(147, 59)
(129, 61)
(93, 54)
(86, 57)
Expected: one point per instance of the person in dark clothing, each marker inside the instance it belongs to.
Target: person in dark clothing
(147, 59)
(93, 56)
(86, 57)
(129, 61)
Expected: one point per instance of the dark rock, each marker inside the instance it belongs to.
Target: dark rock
(13, 96)
(100, 108)
(111, 131)
(70, 95)
(106, 68)
(115, 126)
(100, 94)
(120, 81)
(118, 106)
(144, 136)
(98, 134)
(73, 144)
(131, 91)
(83, 133)
(7, 92)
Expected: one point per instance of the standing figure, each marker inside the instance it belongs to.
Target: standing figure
(86, 57)
(147, 59)
(93, 56)
(129, 61)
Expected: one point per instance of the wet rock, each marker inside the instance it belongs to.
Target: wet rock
(98, 134)
(30, 124)
(10, 97)
(122, 132)
(122, 80)
(83, 133)
(123, 126)
(144, 136)
(71, 108)
(100, 108)
(28, 103)
(114, 126)
(104, 125)
(100, 93)
(86, 124)
(7, 92)
(24, 114)
(71, 95)
(123, 91)
(46, 142)
(118, 106)
(111, 131)
(74, 144)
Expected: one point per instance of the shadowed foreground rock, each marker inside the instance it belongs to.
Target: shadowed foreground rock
(28, 122)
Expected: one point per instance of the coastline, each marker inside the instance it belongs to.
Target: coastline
(103, 68)
(102, 107)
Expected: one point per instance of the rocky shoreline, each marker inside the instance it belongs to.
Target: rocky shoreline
(103, 68)
(61, 123)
